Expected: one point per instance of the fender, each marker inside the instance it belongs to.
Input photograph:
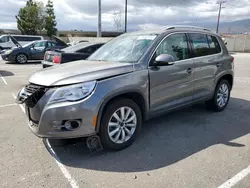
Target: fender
(117, 94)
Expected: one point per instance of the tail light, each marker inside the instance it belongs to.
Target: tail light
(56, 59)
(232, 58)
(44, 58)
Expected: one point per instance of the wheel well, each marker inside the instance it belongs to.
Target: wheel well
(229, 78)
(134, 96)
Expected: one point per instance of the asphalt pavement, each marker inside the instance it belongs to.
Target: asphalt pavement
(191, 148)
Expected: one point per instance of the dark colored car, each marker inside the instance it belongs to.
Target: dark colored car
(72, 53)
(32, 51)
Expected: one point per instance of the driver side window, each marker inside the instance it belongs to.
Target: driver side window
(175, 45)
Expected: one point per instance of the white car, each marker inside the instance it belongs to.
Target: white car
(7, 43)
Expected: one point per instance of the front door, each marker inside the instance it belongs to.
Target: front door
(172, 86)
(38, 50)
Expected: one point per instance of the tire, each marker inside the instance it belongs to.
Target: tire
(214, 103)
(21, 58)
(123, 137)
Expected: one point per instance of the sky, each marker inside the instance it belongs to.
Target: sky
(142, 14)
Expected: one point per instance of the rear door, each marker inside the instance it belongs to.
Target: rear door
(173, 85)
(207, 53)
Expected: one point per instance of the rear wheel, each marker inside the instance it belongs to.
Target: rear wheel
(21, 58)
(121, 124)
(221, 96)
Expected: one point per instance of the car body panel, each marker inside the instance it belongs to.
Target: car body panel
(171, 86)
(162, 88)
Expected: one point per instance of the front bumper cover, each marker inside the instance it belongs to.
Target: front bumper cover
(44, 118)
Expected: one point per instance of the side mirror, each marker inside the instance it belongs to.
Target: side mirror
(164, 60)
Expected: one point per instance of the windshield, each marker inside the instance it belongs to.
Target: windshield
(126, 48)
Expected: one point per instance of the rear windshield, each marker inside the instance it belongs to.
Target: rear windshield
(76, 47)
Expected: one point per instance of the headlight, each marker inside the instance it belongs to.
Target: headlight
(73, 93)
(8, 51)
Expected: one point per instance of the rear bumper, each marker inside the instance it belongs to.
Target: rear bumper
(47, 64)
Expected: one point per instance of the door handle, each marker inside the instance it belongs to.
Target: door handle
(189, 70)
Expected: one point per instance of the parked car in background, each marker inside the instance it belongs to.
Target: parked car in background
(132, 78)
(76, 42)
(7, 43)
(31, 51)
(72, 53)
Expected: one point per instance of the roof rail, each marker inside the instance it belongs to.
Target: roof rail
(185, 27)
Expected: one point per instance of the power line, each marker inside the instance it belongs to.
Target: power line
(218, 21)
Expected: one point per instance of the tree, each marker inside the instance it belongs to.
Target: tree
(118, 20)
(50, 20)
(29, 20)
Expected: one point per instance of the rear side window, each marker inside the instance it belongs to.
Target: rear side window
(213, 44)
(200, 44)
(51, 44)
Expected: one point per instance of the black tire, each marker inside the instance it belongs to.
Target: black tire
(113, 107)
(213, 104)
(23, 62)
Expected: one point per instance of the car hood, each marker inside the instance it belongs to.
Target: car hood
(79, 71)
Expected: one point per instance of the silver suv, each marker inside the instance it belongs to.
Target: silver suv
(134, 77)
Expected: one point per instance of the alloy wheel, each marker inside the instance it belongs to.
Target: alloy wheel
(122, 125)
(21, 58)
(222, 95)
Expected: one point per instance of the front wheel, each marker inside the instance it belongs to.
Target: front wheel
(121, 124)
(221, 96)
(21, 58)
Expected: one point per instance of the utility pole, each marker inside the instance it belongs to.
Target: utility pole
(126, 15)
(218, 21)
(99, 29)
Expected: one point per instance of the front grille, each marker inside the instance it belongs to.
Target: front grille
(31, 88)
(35, 94)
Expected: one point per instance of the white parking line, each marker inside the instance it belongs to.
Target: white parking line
(65, 172)
(21, 106)
(234, 180)
(3, 79)
(6, 105)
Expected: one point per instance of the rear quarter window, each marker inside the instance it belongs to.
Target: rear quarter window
(213, 44)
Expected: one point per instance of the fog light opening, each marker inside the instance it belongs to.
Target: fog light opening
(72, 124)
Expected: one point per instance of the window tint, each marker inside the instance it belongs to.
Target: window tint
(26, 39)
(88, 50)
(4, 39)
(40, 44)
(213, 44)
(51, 44)
(175, 45)
(200, 44)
